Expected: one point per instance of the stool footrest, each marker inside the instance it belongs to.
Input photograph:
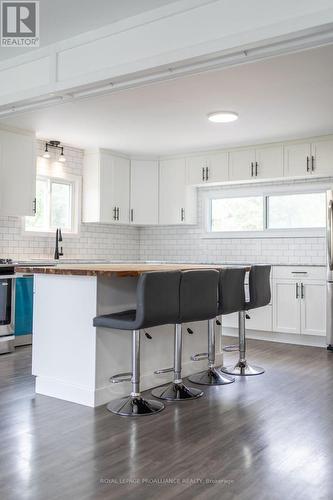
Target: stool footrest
(121, 377)
(231, 348)
(200, 356)
(163, 370)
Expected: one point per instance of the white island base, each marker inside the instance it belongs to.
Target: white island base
(73, 361)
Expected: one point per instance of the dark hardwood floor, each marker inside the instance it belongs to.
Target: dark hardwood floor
(267, 437)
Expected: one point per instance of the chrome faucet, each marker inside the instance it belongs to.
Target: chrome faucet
(57, 253)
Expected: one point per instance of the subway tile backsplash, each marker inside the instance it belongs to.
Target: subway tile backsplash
(188, 244)
(97, 241)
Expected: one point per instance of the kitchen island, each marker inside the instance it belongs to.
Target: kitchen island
(74, 361)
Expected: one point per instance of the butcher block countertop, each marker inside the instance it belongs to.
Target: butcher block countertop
(112, 269)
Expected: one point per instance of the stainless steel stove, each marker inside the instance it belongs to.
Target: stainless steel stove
(7, 305)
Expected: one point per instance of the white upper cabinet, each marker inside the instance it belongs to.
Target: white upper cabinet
(208, 169)
(269, 162)
(241, 164)
(297, 159)
(17, 173)
(106, 179)
(260, 163)
(177, 198)
(309, 158)
(322, 157)
(144, 192)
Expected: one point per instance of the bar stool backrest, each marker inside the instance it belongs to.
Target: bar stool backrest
(231, 290)
(158, 298)
(259, 287)
(198, 295)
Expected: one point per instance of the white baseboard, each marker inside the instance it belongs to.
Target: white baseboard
(60, 389)
(286, 338)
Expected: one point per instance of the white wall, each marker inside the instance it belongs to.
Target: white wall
(95, 241)
(188, 244)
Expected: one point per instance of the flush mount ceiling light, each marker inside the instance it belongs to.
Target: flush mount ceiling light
(222, 116)
(56, 145)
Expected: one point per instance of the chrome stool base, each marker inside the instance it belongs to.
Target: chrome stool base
(243, 369)
(212, 376)
(135, 406)
(176, 392)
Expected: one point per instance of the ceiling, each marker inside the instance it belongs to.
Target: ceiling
(62, 19)
(285, 97)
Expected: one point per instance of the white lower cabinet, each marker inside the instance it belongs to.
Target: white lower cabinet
(258, 319)
(313, 308)
(286, 310)
(299, 307)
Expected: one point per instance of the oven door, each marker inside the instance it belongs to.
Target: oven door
(6, 306)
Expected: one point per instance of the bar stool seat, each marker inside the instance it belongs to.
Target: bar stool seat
(198, 300)
(157, 304)
(260, 296)
(231, 300)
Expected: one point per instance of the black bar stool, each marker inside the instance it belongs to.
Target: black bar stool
(231, 300)
(260, 296)
(157, 304)
(198, 302)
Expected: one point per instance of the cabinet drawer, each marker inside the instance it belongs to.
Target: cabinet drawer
(299, 272)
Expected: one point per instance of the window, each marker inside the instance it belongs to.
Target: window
(296, 211)
(238, 214)
(268, 213)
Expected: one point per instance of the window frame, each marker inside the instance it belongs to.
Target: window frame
(54, 172)
(249, 191)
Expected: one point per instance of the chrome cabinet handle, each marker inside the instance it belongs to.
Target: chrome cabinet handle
(115, 213)
(302, 291)
(118, 211)
(256, 169)
(182, 214)
(329, 234)
(34, 206)
(297, 291)
(132, 214)
(307, 164)
(207, 171)
(203, 173)
(312, 163)
(251, 168)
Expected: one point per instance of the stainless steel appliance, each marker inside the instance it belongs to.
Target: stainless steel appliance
(7, 306)
(329, 238)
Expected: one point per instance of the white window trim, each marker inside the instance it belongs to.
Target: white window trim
(56, 172)
(249, 191)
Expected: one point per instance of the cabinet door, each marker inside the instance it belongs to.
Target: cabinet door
(121, 189)
(207, 169)
(286, 306)
(177, 199)
(322, 161)
(144, 192)
(18, 174)
(107, 208)
(297, 160)
(260, 319)
(269, 162)
(241, 164)
(313, 308)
